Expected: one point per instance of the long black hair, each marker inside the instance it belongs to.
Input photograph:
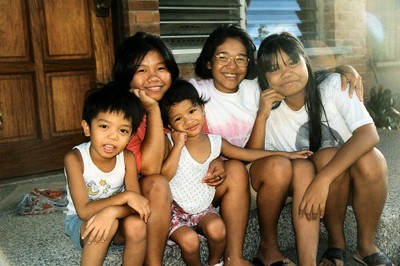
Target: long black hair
(134, 49)
(268, 53)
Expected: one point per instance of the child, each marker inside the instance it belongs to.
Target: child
(104, 197)
(188, 153)
(312, 113)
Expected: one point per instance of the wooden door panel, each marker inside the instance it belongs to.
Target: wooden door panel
(13, 33)
(67, 92)
(53, 52)
(67, 25)
(17, 108)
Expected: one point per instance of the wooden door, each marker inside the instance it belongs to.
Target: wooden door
(51, 53)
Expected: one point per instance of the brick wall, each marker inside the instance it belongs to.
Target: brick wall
(344, 25)
(141, 15)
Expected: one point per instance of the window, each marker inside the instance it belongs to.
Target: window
(186, 24)
(265, 17)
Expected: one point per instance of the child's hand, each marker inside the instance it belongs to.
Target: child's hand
(267, 100)
(179, 138)
(139, 204)
(98, 227)
(304, 154)
(314, 200)
(216, 173)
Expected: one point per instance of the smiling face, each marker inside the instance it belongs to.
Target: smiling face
(227, 77)
(186, 117)
(289, 78)
(152, 76)
(109, 134)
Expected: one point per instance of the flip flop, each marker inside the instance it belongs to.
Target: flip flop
(257, 262)
(286, 262)
(333, 254)
(377, 258)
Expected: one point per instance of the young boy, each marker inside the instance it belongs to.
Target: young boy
(188, 153)
(104, 197)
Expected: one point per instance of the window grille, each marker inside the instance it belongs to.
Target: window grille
(265, 17)
(186, 24)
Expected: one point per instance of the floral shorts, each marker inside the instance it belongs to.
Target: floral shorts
(181, 218)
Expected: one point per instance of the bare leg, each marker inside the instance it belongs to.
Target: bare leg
(214, 229)
(133, 231)
(271, 178)
(368, 179)
(336, 204)
(369, 182)
(156, 189)
(95, 253)
(189, 243)
(234, 198)
(307, 231)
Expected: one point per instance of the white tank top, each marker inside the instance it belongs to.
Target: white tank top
(99, 185)
(188, 191)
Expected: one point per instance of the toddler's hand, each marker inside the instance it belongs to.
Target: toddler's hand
(179, 138)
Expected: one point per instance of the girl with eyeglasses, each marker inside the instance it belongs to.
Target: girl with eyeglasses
(226, 68)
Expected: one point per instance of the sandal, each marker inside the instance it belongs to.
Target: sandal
(285, 262)
(377, 258)
(333, 254)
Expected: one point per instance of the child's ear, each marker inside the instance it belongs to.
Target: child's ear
(208, 65)
(86, 128)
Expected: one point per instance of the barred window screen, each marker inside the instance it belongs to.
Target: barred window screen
(186, 24)
(308, 17)
(265, 17)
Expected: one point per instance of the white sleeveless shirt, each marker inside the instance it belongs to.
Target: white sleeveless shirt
(188, 191)
(99, 185)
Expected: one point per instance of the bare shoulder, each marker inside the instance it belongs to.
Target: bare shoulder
(128, 155)
(129, 158)
(73, 157)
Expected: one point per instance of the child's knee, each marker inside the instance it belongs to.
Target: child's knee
(216, 230)
(134, 228)
(190, 242)
(370, 168)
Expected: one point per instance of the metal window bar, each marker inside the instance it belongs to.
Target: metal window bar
(186, 24)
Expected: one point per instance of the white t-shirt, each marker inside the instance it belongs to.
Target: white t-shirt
(192, 195)
(230, 115)
(99, 184)
(287, 130)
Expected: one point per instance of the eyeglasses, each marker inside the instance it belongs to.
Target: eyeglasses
(240, 60)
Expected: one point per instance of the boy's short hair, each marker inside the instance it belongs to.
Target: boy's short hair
(179, 91)
(111, 97)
